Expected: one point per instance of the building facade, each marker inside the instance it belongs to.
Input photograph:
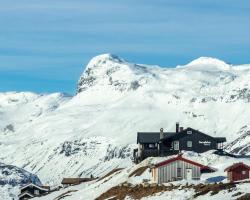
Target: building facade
(31, 190)
(153, 144)
(75, 181)
(238, 172)
(178, 168)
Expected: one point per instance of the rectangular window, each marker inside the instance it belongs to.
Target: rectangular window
(178, 172)
(189, 132)
(151, 146)
(189, 144)
(36, 192)
(243, 172)
(176, 145)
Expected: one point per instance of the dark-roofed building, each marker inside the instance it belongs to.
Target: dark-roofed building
(238, 171)
(74, 181)
(152, 144)
(31, 190)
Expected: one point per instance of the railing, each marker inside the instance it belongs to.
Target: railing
(149, 153)
(152, 153)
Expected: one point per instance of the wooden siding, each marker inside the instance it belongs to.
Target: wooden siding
(238, 171)
(200, 143)
(238, 175)
(168, 172)
(155, 174)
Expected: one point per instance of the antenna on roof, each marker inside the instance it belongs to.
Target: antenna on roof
(161, 134)
(177, 127)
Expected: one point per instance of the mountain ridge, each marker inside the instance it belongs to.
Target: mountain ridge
(55, 135)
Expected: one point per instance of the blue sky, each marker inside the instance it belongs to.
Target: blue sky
(45, 45)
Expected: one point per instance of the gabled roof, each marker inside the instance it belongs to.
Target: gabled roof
(151, 137)
(25, 193)
(220, 139)
(236, 165)
(154, 137)
(75, 180)
(179, 157)
(44, 188)
(217, 139)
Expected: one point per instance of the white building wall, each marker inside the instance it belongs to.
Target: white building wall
(168, 172)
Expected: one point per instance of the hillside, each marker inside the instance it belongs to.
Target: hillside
(57, 135)
(126, 184)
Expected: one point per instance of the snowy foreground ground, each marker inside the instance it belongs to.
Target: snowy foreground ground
(92, 190)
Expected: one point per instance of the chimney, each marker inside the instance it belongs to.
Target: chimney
(181, 129)
(161, 134)
(177, 127)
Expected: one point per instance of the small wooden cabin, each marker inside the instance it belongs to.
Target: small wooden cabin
(178, 168)
(238, 171)
(74, 181)
(31, 190)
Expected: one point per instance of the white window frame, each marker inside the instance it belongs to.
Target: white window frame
(244, 172)
(152, 146)
(176, 145)
(36, 192)
(189, 142)
(189, 132)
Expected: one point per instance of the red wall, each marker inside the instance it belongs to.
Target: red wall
(237, 174)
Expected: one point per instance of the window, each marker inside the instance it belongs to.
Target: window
(189, 132)
(178, 172)
(176, 145)
(36, 192)
(151, 146)
(189, 143)
(243, 172)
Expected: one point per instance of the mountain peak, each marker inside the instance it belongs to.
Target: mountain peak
(107, 70)
(208, 63)
(104, 58)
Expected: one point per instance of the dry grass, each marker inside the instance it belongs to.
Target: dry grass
(139, 171)
(213, 188)
(65, 194)
(139, 191)
(244, 197)
(110, 173)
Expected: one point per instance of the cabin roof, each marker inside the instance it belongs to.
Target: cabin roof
(154, 137)
(25, 193)
(75, 180)
(179, 157)
(220, 139)
(151, 137)
(236, 165)
(41, 187)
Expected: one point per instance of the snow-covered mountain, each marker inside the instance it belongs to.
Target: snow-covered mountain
(55, 135)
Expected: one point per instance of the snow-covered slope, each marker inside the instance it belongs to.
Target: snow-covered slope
(55, 135)
(92, 190)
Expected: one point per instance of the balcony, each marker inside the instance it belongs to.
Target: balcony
(149, 153)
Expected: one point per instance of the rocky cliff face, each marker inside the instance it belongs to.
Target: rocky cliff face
(55, 136)
(111, 72)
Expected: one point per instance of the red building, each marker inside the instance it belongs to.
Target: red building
(238, 171)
